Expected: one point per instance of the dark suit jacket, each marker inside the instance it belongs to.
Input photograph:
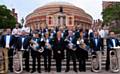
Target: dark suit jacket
(25, 44)
(12, 40)
(110, 43)
(99, 44)
(58, 46)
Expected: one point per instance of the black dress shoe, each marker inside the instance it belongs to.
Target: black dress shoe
(32, 71)
(75, 70)
(11, 70)
(39, 71)
(66, 70)
(48, 70)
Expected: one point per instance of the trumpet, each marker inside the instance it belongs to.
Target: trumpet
(114, 61)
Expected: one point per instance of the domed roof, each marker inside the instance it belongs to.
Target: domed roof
(59, 3)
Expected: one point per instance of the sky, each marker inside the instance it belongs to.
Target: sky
(24, 7)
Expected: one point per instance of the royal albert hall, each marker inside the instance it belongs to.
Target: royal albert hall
(59, 14)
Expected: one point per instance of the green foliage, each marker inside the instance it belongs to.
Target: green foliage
(111, 14)
(7, 20)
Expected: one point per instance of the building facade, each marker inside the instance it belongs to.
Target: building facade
(58, 14)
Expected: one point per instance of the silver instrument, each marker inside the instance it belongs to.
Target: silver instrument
(114, 61)
(35, 46)
(17, 62)
(70, 44)
(96, 63)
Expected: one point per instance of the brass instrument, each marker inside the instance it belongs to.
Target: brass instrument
(35, 46)
(96, 62)
(71, 45)
(81, 43)
(114, 61)
(17, 62)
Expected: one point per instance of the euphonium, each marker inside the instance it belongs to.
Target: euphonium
(35, 46)
(114, 63)
(95, 63)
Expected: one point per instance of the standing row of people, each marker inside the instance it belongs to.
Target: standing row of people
(72, 44)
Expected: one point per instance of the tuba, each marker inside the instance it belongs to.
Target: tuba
(17, 62)
(114, 61)
(95, 63)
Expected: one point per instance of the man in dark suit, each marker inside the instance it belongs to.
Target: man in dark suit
(35, 52)
(111, 42)
(7, 42)
(47, 52)
(70, 51)
(58, 50)
(97, 45)
(23, 43)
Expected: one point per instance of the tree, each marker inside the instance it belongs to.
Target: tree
(112, 14)
(111, 17)
(7, 20)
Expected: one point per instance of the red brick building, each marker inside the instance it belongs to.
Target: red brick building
(59, 14)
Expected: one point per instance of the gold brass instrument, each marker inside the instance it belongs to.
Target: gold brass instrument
(81, 43)
(95, 62)
(17, 62)
(114, 61)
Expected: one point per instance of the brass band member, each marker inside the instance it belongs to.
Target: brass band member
(111, 42)
(36, 55)
(58, 50)
(47, 52)
(23, 43)
(81, 51)
(97, 47)
(70, 51)
(7, 42)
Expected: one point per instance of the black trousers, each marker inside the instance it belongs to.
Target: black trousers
(58, 64)
(36, 56)
(70, 55)
(82, 64)
(10, 59)
(47, 59)
(108, 60)
(26, 57)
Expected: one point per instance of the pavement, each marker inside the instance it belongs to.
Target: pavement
(70, 72)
